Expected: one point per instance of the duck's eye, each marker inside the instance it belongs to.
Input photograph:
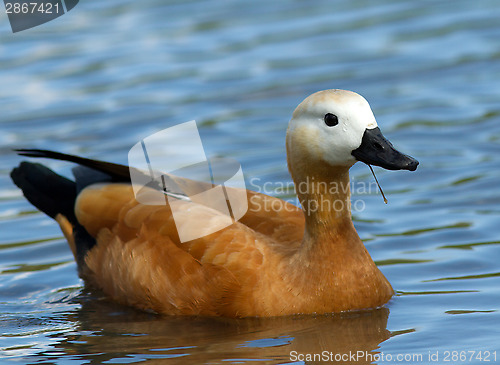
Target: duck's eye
(331, 120)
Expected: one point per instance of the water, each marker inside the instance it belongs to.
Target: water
(97, 80)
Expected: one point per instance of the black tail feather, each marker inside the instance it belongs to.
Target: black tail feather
(46, 190)
(118, 173)
(54, 194)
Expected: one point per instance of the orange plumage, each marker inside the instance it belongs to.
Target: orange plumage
(256, 267)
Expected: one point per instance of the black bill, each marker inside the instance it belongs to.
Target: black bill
(376, 150)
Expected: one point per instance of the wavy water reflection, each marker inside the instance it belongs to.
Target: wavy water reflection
(107, 74)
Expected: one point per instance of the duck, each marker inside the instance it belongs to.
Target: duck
(278, 259)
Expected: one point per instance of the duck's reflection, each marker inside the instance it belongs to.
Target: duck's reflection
(107, 331)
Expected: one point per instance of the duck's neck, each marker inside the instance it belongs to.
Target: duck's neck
(325, 197)
(332, 256)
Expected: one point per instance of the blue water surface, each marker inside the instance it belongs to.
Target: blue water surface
(100, 78)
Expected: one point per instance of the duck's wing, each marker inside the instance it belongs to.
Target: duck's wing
(275, 218)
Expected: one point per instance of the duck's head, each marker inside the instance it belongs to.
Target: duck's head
(337, 128)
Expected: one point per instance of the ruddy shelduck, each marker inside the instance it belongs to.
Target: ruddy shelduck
(277, 260)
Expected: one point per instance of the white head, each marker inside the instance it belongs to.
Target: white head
(332, 127)
(308, 130)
